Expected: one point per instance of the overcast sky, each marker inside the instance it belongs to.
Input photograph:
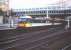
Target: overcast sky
(19, 4)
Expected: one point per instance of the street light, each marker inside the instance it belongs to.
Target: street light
(11, 18)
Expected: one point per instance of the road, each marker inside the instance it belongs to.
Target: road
(44, 39)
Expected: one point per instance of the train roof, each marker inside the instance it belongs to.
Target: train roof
(26, 17)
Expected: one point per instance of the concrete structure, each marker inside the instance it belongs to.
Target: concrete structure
(53, 12)
(49, 11)
(57, 10)
(34, 12)
(45, 11)
(4, 7)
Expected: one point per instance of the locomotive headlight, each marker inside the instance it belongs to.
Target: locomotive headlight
(28, 24)
(21, 25)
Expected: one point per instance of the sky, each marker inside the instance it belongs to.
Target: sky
(20, 4)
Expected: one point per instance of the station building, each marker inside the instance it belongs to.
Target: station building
(50, 10)
(51, 13)
(36, 13)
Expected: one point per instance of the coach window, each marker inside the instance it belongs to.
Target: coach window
(44, 11)
(32, 12)
(23, 12)
(49, 11)
(39, 11)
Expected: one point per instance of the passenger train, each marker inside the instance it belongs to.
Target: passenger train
(26, 21)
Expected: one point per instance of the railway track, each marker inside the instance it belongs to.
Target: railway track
(40, 42)
(15, 38)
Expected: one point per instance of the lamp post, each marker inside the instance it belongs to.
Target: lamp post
(11, 22)
(68, 22)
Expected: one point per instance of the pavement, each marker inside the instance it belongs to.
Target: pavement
(5, 27)
(43, 24)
